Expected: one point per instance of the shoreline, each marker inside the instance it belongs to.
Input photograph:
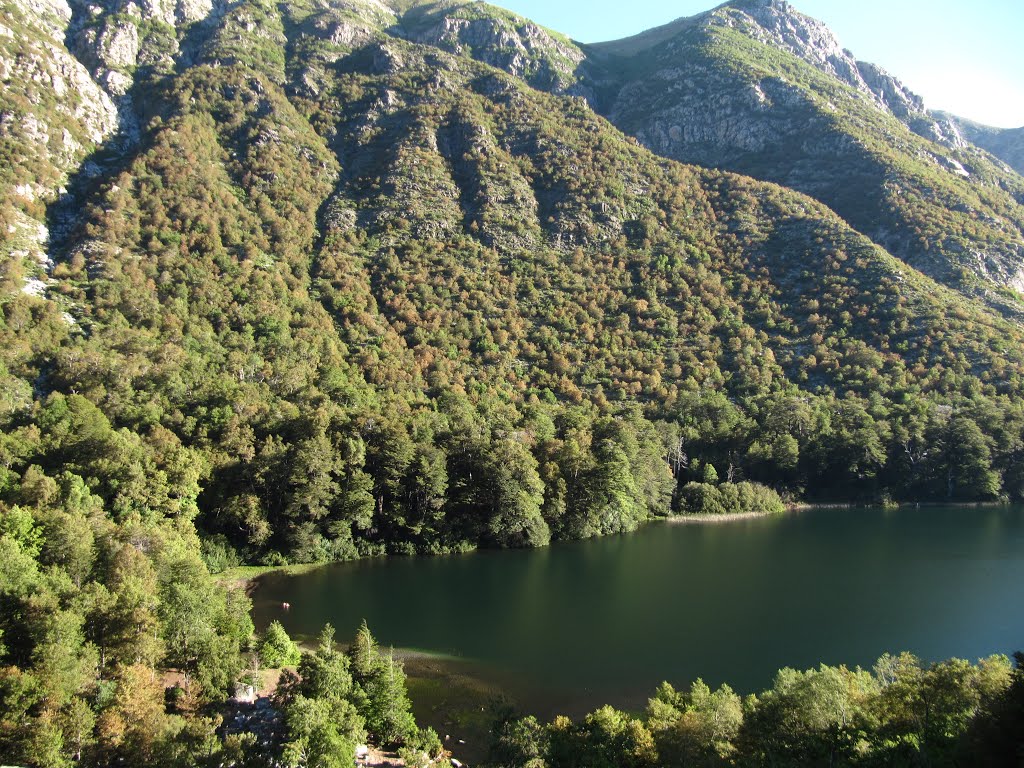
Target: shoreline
(726, 518)
(246, 577)
(456, 695)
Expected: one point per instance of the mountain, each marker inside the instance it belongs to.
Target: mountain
(854, 136)
(310, 281)
(349, 276)
(755, 87)
(1005, 143)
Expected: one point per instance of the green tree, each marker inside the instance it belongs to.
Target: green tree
(516, 494)
(518, 742)
(810, 717)
(696, 728)
(276, 648)
(380, 691)
(324, 674)
(322, 733)
(606, 738)
(385, 703)
(963, 462)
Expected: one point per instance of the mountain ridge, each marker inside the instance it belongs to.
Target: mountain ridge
(389, 219)
(299, 283)
(984, 259)
(717, 94)
(1007, 144)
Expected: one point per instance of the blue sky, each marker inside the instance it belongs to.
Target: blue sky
(965, 57)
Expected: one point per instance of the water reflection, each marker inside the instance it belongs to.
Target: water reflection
(606, 620)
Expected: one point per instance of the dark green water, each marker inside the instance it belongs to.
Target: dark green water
(604, 621)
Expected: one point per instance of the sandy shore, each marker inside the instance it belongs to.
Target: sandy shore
(727, 518)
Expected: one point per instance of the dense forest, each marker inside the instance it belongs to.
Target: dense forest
(309, 290)
(389, 313)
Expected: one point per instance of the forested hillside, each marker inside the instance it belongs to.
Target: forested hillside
(756, 87)
(349, 292)
(304, 282)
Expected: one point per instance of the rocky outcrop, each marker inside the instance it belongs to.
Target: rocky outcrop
(68, 70)
(64, 103)
(52, 114)
(28, 241)
(176, 12)
(776, 23)
(706, 119)
(1007, 144)
(696, 111)
(111, 50)
(502, 40)
(330, 32)
(115, 37)
(889, 93)
(779, 24)
(734, 89)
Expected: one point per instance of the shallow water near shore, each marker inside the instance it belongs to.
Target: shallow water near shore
(576, 625)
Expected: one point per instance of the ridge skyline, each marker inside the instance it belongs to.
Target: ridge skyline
(958, 63)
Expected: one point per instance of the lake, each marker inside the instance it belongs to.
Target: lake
(575, 625)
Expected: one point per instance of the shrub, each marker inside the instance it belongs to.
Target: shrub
(277, 648)
(729, 498)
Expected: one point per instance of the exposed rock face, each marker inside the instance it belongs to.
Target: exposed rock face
(698, 112)
(171, 12)
(68, 71)
(502, 40)
(49, 16)
(119, 45)
(1005, 143)
(114, 37)
(52, 113)
(777, 23)
(344, 25)
(111, 49)
(889, 92)
(188, 11)
(708, 123)
(714, 91)
(29, 240)
(33, 57)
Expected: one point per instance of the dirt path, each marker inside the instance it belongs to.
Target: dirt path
(379, 759)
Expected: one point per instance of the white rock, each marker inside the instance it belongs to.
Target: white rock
(33, 287)
(119, 45)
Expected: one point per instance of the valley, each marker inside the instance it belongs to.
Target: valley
(363, 286)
